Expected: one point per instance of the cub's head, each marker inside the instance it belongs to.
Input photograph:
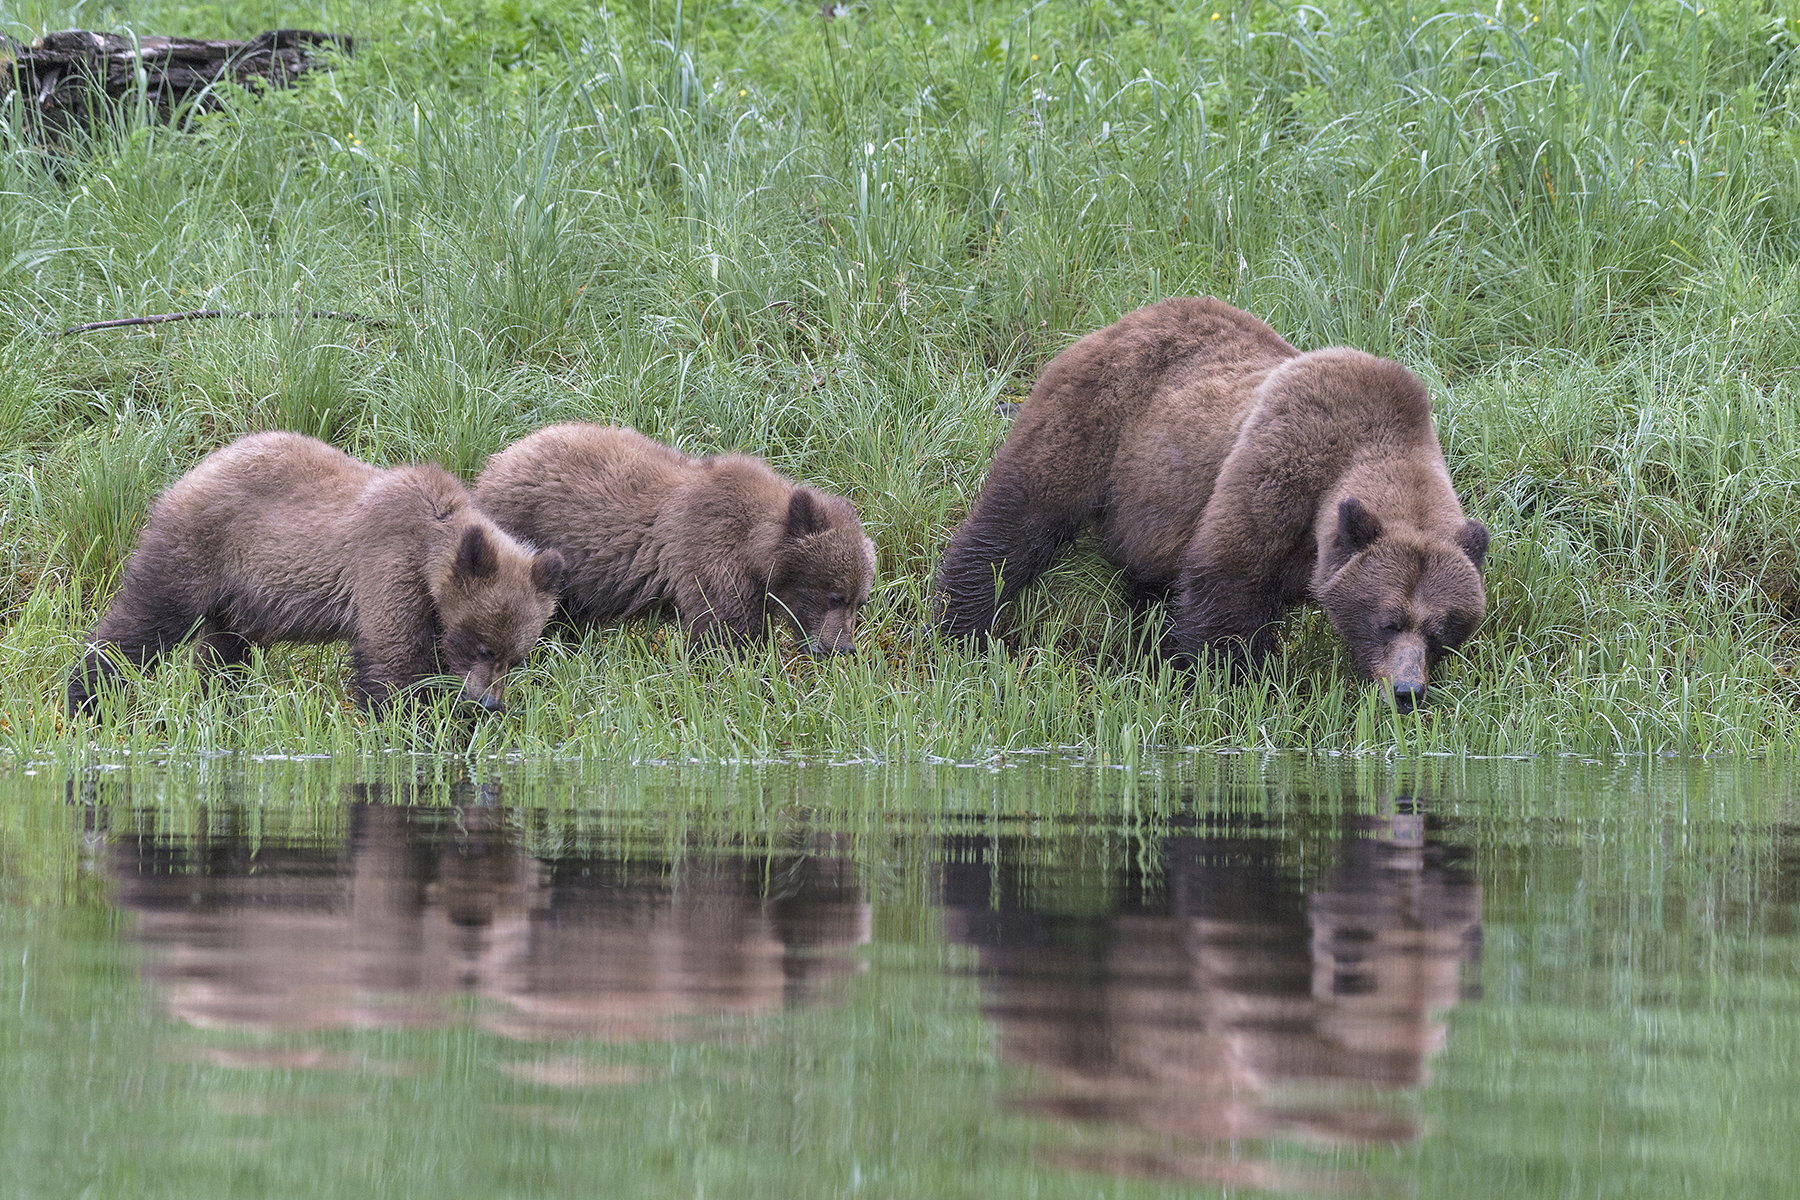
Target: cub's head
(1402, 601)
(493, 597)
(822, 572)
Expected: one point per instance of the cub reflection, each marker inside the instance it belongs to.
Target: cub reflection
(1228, 984)
(421, 910)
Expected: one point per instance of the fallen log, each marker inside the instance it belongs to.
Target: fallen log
(67, 80)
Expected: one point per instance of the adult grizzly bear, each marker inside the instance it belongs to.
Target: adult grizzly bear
(731, 544)
(1224, 468)
(278, 537)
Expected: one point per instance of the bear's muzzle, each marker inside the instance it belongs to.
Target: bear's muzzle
(1404, 670)
(836, 635)
(485, 687)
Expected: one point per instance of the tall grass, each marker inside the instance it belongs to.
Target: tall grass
(838, 242)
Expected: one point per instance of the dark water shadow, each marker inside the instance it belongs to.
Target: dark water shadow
(1228, 988)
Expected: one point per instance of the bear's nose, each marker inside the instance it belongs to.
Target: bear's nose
(492, 704)
(1408, 696)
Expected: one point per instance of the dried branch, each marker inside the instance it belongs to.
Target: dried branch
(199, 314)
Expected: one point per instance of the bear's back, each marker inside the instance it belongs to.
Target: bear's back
(1173, 383)
(274, 530)
(594, 493)
(1349, 396)
(266, 509)
(727, 494)
(563, 480)
(1171, 363)
(269, 478)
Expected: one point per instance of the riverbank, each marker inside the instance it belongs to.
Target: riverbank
(838, 242)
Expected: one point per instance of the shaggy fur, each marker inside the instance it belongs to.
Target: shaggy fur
(729, 543)
(281, 538)
(1222, 468)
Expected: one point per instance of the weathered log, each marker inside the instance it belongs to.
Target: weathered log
(68, 79)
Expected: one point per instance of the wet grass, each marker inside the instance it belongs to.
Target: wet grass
(838, 242)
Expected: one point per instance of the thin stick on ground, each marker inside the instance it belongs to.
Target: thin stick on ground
(199, 314)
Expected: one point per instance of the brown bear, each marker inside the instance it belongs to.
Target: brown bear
(1236, 476)
(729, 543)
(278, 537)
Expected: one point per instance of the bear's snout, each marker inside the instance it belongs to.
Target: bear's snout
(819, 648)
(824, 644)
(836, 636)
(1404, 669)
(485, 687)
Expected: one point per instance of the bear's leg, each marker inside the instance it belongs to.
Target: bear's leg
(716, 617)
(141, 626)
(1142, 596)
(709, 630)
(218, 648)
(1010, 538)
(393, 649)
(373, 681)
(1227, 602)
(1214, 617)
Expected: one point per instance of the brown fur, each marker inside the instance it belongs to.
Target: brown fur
(729, 543)
(281, 538)
(1222, 467)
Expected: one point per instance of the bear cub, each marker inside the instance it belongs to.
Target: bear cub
(732, 545)
(1228, 472)
(279, 537)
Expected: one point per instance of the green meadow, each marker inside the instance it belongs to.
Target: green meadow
(839, 239)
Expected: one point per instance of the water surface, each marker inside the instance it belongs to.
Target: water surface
(1209, 975)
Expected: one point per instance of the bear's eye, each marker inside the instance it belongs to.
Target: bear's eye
(837, 600)
(483, 653)
(1392, 625)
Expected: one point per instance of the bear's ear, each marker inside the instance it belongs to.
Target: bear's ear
(477, 556)
(805, 514)
(1357, 527)
(1473, 539)
(547, 571)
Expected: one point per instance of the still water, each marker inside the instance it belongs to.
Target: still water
(1205, 976)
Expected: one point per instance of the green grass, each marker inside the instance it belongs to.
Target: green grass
(837, 243)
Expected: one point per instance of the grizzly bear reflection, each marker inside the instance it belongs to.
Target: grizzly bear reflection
(422, 909)
(1220, 988)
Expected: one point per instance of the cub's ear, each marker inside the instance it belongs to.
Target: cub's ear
(805, 514)
(1473, 539)
(1357, 527)
(547, 570)
(477, 556)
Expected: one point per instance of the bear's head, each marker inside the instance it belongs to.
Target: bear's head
(1401, 599)
(493, 598)
(823, 569)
